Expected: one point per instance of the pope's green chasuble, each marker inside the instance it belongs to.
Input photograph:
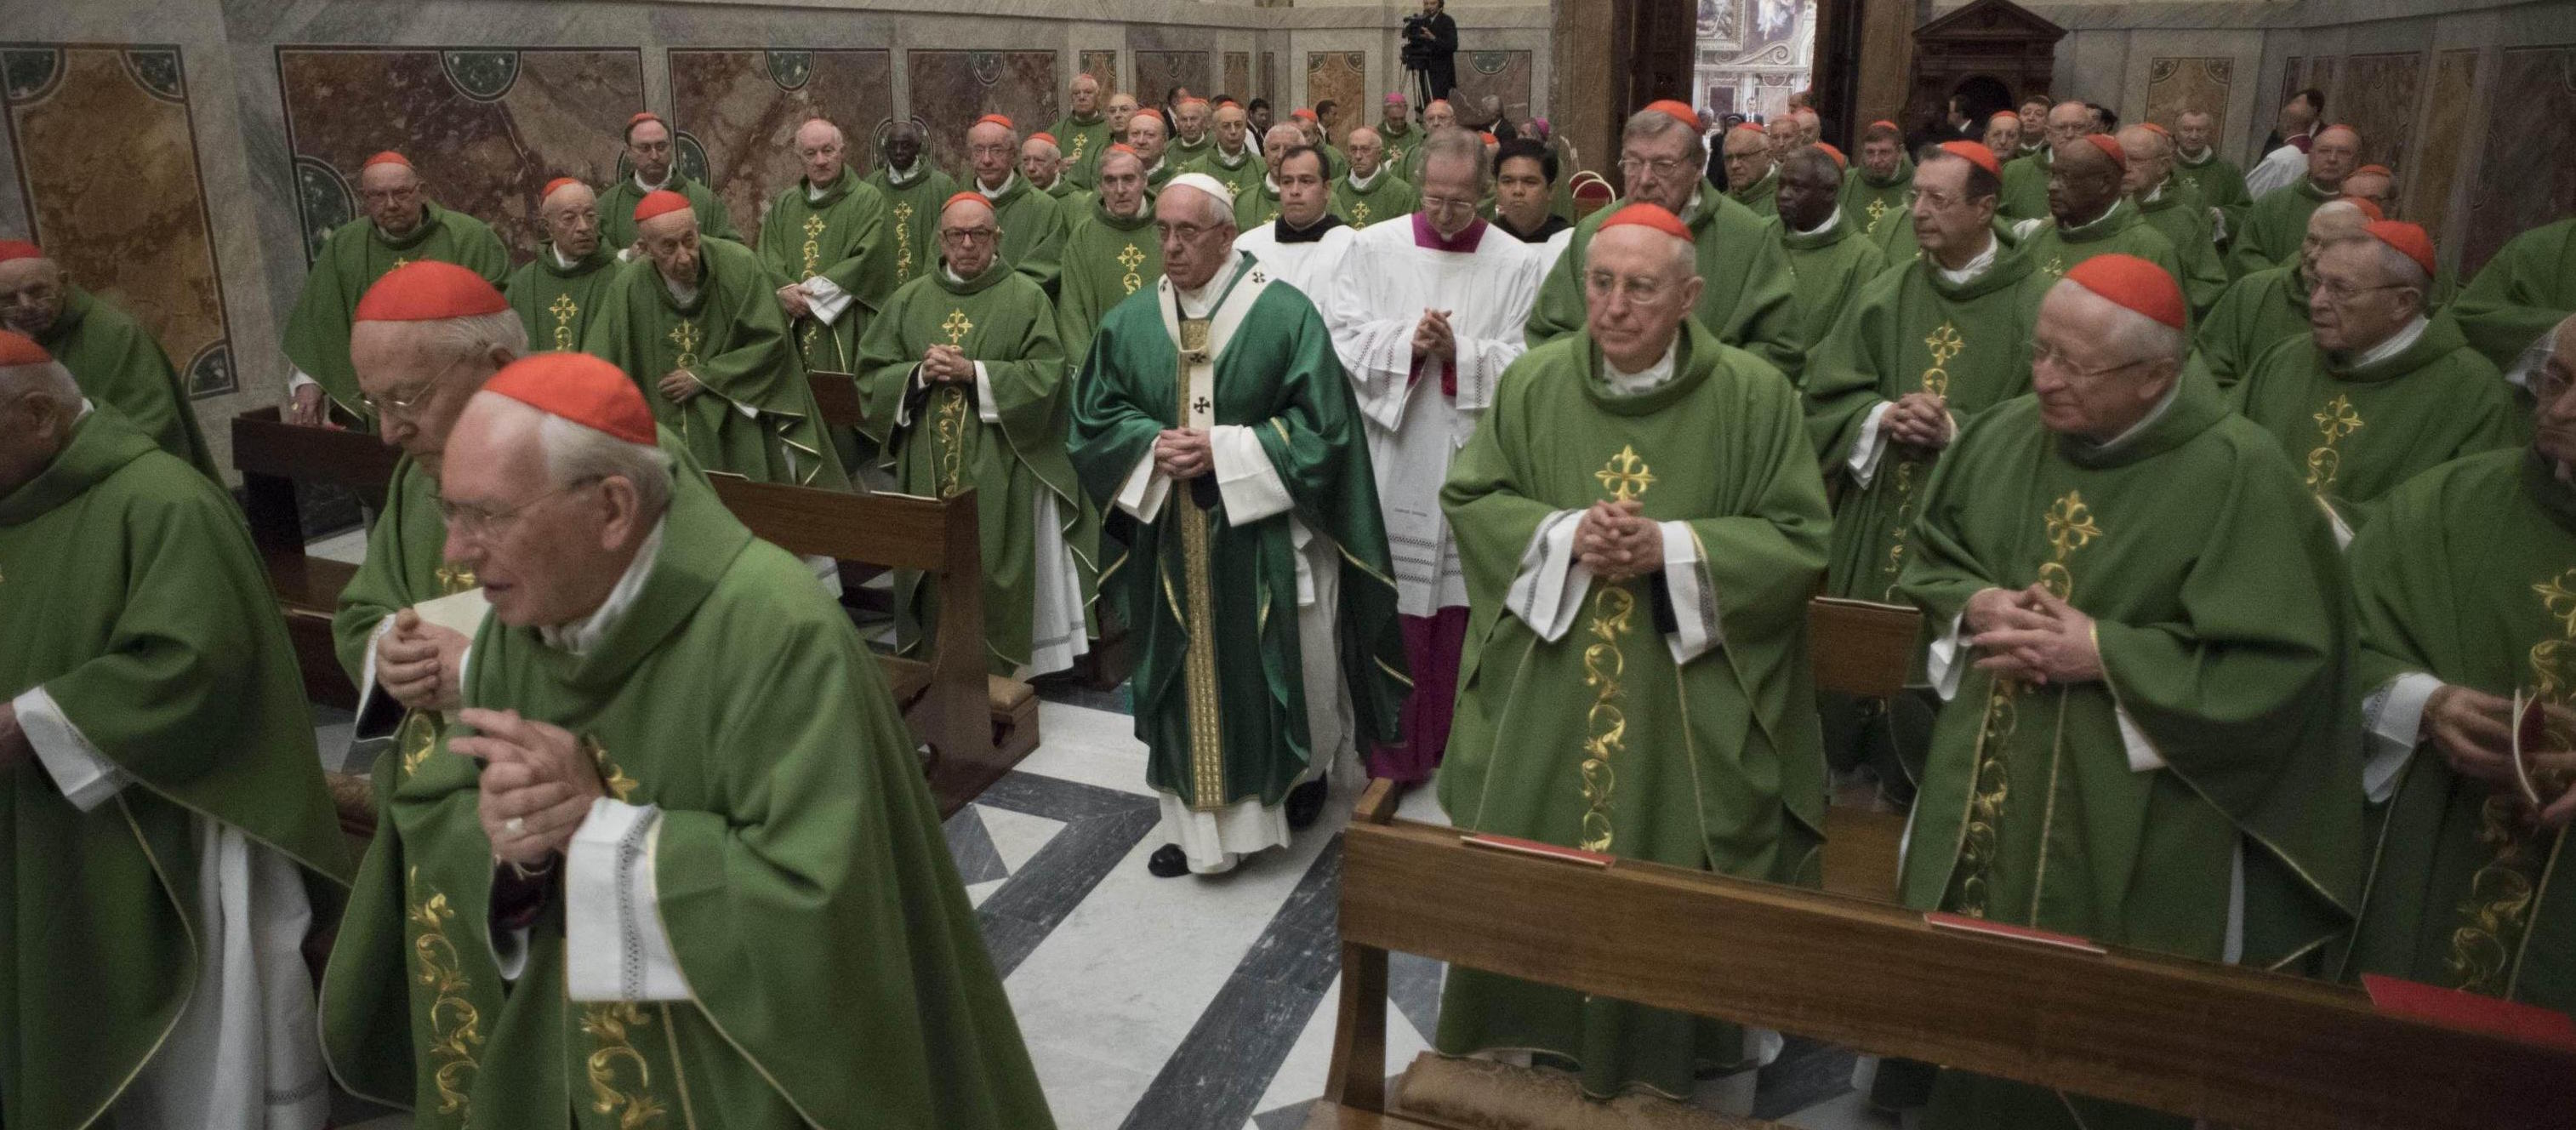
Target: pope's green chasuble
(840, 237)
(1762, 196)
(912, 218)
(2274, 227)
(772, 782)
(617, 211)
(754, 413)
(2220, 183)
(2175, 210)
(1211, 600)
(2359, 425)
(2256, 311)
(1746, 297)
(1579, 721)
(557, 302)
(2218, 744)
(1082, 140)
(941, 439)
(1106, 258)
(130, 593)
(1032, 231)
(1239, 174)
(2025, 187)
(2521, 294)
(2469, 577)
(1387, 197)
(117, 365)
(1827, 269)
(2055, 249)
(1875, 204)
(351, 260)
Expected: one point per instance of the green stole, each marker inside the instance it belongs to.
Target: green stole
(912, 219)
(118, 365)
(2178, 212)
(1001, 319)
(2219, 182)
(1256, 207)
(131, 592)
(2358, 430)
(2274, 227)
(351, 260)
(2521, 294)
(2054, 249)
(2025, 187)
(2469, 576)
(1082, 142)
(1229, 662)
(1872, 203)
(2262, 308)
(1186, 153)
(1106, 258)
(1386, 198)
(733, 337)
(1032, 231)
(1722, 766)
(1244, 175)
(1827, 269)
(617, 210)
(556, 302)
(1746, 298)
(1762, 196)
(842, 237)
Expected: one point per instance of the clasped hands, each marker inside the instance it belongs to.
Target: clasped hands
(1182, 454)
(2033, 635)
(793, 299)
(421, 664)
(2474, 732)
(680, 385)
(1433, 338)
(536, 787)
(1917, 419)
(946, 364)
(1614, 541)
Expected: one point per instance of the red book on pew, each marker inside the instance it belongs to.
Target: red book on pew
(1520, 846)
(1947, 921)
(2453, 1008)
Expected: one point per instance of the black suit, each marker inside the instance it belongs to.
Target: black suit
(1438, 56)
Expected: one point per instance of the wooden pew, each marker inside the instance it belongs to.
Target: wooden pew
(274, 458)
(2236, 1046)
(1863, 650)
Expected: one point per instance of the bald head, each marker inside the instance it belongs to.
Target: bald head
(2554, 430)
(2150, 157)
(821, 149)
(2333, 155)
(1233, 127)
(2069, 121)
(31, 294)
(391, 193)
(2333, 221)
(1366, 150)
(38, 404)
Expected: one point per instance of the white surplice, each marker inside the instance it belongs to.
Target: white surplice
(1310, 267)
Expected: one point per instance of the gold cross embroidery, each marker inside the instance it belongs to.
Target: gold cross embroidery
(453, 578)
(685, 337)
(813, 245)
(1359, 213)
(1131, 259)
(1625, 476)
(564, 309)
(903, 241)
(2056, 266)
(1081, 141)
(957, 326)
(1945, 343)
(1877, 208)
(2336, 419)
(401, 262)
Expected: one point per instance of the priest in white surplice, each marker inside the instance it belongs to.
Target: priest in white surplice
(1300, 247)
(1426, 312)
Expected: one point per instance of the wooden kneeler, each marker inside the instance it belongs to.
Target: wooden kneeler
(1864, 650)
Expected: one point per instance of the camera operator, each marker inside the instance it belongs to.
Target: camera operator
(1431, 51)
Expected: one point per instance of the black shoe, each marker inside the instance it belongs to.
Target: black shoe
(1168, 862)
(1305, 803)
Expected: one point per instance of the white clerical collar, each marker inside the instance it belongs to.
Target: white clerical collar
(85, 409)
(682, 293)
(1361, 183)
(2097, 221)
(2172, 392)
(1630, 384)
(1690, 211)
(1830, 222)
(1200, 302)
(562, 260)
(1235, 159)
(996, 193)
(1268, 185)
(1048, 186)
(814, 192)
(1154, 168)
(1984, 262)
(667, 178)
(2203, 159)
(906, 175)
(584, 634)
(2397, 343)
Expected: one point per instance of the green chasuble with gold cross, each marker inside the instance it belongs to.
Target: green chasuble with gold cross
(754, 415)
(2521, 294)
(1212, 602)
(839, 236)
(1401, 140)
(1106, 258)
(2469, 576)
(2255, 313)
(2218, 743)
(1386, 198)
(1258, 207)
(2220, 183)
(1746, 297)
(2054, 249)
(1239, 174)
(131, 594)
(1032, 231)
(1873, 203)
(117, 365)
(2274, 227)
(732, 698)
(2357, 429)
(912, 218)
(617, 211)
(1082, 140)
(351, 260)
(557, 302)
(941, 439)
(1827, 269)
(2175, 210)
(1599, 738)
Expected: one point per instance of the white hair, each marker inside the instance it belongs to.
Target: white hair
(2396, 268)
(475, 334)
(49, 380)
(575, 452)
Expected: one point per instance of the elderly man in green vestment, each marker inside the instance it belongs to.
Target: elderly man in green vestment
(2088, 214)
(1083, 133)
(1830, 255)
(1654, 486)
(1112, 253)
(1042, 164)
(673, 735)
(2276, 220)
(2527, 288)
(964, 381)
(1215, 430)
(2462, 591)
(2026, 178)
(2379, 389)
(1745, 297)
(1371, 191)
(110, 355)
(914, 190)
(2270, 305)
(2167, 205)
(1395, 129)
(653, 166)
(2145, 740)
(557, 293)
(697, 325)
(1881, 187)
(1149, 135)
(401, 226)
(827, 234)
(2198, 165)
(1191, 139)
(1261, 205)
(1032, 221)
(2003, 132)
(1236, 161)
(168, 839)
(1752, 169)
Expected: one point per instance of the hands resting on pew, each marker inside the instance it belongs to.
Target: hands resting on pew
(2472, 730)
(304, 409)
(422, 664)
(2032, 635)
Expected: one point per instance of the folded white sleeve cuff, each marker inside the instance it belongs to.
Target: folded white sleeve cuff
(1696, 630)
(1948, 659)
(903, 404)
(86, 777)
(298, 378)
(1870, 446)
(367, 668)
(2133, 741)
(2394, 715)
(825, 300)
(614, 947)
(1142, 495)
(1244, 476)
(987, 409)
(1549, 587)
(1481, 362)
(1381, 371)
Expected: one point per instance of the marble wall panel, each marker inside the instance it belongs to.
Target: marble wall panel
(486, 127)
(1157, 72)
(950, 89)
(2524, 178)
(107, 160)
(1504, 74)
(1101, 65)
(1270, 77)
(1238, 74)
(2199, 84)
(2380, 97)
(2440, 159)
(744, 106)
(1341, 76)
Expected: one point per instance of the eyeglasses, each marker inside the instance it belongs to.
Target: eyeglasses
(1445, 203)
(406, 407)
(2339, 293)
(1660, 166)
(970, 235)
(480, 523)
(388, 195)
(2041, 353)
(1642, 291)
